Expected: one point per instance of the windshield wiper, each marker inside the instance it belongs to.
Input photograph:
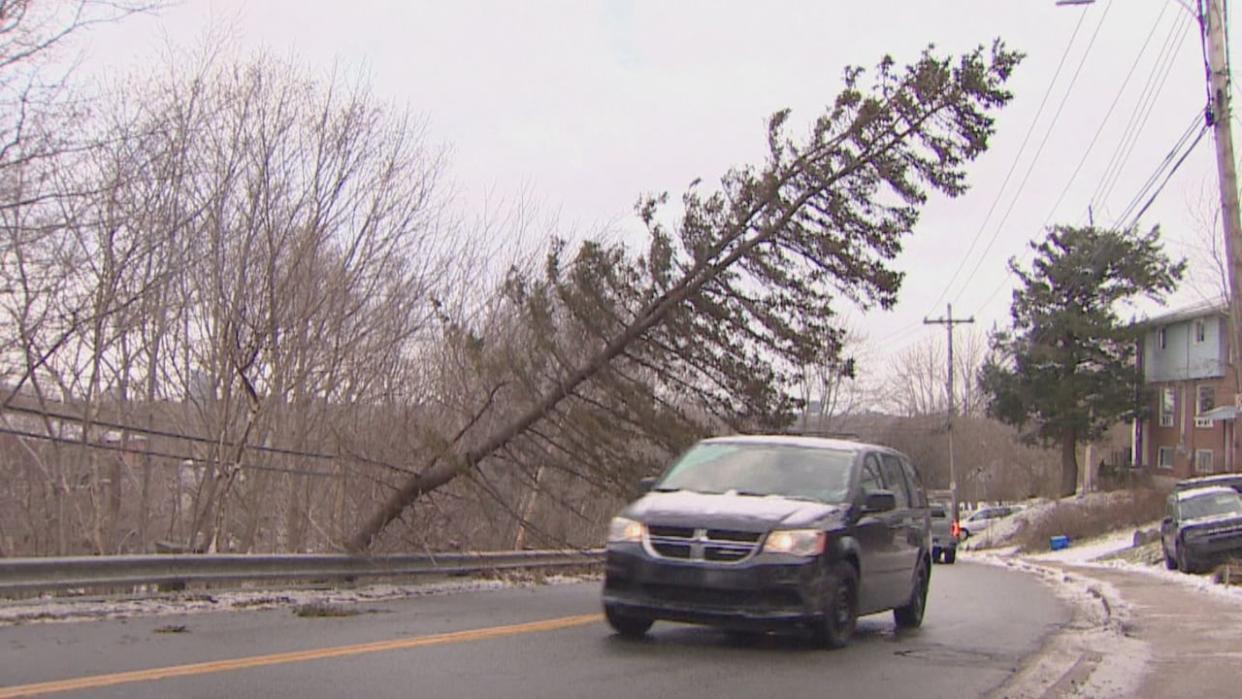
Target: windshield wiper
(803, 498)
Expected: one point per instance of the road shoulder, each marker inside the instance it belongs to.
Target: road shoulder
(1133, 634)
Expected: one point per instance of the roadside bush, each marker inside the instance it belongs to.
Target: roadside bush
(1084, 518)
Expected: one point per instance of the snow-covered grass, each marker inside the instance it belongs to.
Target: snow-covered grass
(53, 609)
(1113, 549)
(1103, 553)
(1092, 549)
(1079, 517)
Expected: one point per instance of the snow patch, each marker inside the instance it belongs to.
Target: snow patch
(1095, 553)
(1092, 549)
(53, 609)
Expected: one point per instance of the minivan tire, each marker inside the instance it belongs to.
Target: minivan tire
(910, 616)
(629, 626)
(840, 607)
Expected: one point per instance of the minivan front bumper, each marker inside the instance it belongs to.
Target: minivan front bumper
(766, 591)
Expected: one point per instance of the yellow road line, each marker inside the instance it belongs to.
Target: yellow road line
(301, 656)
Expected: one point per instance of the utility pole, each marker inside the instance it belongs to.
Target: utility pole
(1212, 21)
(949, 321)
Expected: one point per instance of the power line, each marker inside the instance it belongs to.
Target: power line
(1159, 189)
(179, 458)
(1030, 131)
(1114, 160)
(1143, 111)
(1169, 158)
(1107, 115)
(1031, 167)
(1172, 156)
(77, 419)
(901, 332)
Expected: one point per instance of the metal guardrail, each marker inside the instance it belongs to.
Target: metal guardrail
(47, 574)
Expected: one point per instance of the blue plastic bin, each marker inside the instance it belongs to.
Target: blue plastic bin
(1057, 543)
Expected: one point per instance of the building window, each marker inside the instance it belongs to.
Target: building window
(1206, 399)
(1167, 407)
(1203, 461)
(1164, 457)
(1162, 337)
(1200, 331)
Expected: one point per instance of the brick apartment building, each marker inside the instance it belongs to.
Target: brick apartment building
(1190, 429)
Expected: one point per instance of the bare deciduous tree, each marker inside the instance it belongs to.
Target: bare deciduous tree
(834, 387)
(916, 383)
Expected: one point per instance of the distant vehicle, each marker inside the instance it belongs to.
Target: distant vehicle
(1229, 480)
(946, 530)
(983, 518)
(773, 532)
(1203, 526)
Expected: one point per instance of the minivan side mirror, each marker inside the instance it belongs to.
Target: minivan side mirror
(880, 501)
(1166, 522)
(645, 485)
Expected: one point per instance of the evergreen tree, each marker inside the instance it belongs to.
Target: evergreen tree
(1065, 371)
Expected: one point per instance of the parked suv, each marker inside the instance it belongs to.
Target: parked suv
(760, 533)
(1204, 525)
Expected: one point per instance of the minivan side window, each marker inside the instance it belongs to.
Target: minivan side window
(918, 495)
(895, 478)
(870, 480)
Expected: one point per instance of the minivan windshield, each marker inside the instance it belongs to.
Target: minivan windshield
(762, 469)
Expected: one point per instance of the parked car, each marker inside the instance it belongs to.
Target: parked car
(1229, 480)
(983, 518)
(946, 531)
(758, 533)
(1203, 526)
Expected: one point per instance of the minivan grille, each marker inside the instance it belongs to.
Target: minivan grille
(691, 544)
(671, 532)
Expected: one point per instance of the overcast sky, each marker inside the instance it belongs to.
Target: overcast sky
(582, 106)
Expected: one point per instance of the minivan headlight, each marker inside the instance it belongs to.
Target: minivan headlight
(623, 529)
(798, 542)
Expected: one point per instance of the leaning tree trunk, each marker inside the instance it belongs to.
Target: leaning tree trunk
(913, 131)
(1069, 465)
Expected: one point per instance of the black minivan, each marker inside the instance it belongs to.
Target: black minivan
(760, 533)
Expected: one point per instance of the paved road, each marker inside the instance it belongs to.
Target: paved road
(538, 642)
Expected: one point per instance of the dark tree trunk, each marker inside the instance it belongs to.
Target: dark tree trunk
(1069, 465)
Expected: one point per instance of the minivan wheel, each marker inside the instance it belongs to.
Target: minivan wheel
(629, 626)
(911, 615)
(841, 608)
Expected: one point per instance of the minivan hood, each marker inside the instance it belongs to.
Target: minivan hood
(742, 512)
